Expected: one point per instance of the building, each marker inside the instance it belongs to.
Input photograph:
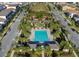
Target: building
(71, 9)
(69, 14)
(76, 18)
(7, 14)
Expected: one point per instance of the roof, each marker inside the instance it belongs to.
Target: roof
(6, 12)
(13, 3)
(76, 18)
(2, 20)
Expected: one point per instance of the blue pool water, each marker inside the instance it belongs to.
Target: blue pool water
(41, 36)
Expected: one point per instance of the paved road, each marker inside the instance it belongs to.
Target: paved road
(74, 37)
(9, 38)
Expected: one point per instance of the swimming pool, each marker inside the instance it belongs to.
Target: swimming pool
(40, 35)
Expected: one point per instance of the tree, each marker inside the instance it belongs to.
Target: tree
(48, 51)
(62, 36)
(58, 39)
(22, 35)
(54, 54)
(62, 45)
(59, 7)
(27, 54)
(38, 51)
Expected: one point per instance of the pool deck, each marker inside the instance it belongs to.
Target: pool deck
(54, 47)
(49, 35)
(32, 35)
(50, 38)
(33, 46)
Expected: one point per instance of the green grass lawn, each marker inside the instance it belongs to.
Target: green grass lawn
(40, 7)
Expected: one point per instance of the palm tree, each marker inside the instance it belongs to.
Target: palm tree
(48, 51)
(38, 52)
(62, 45)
